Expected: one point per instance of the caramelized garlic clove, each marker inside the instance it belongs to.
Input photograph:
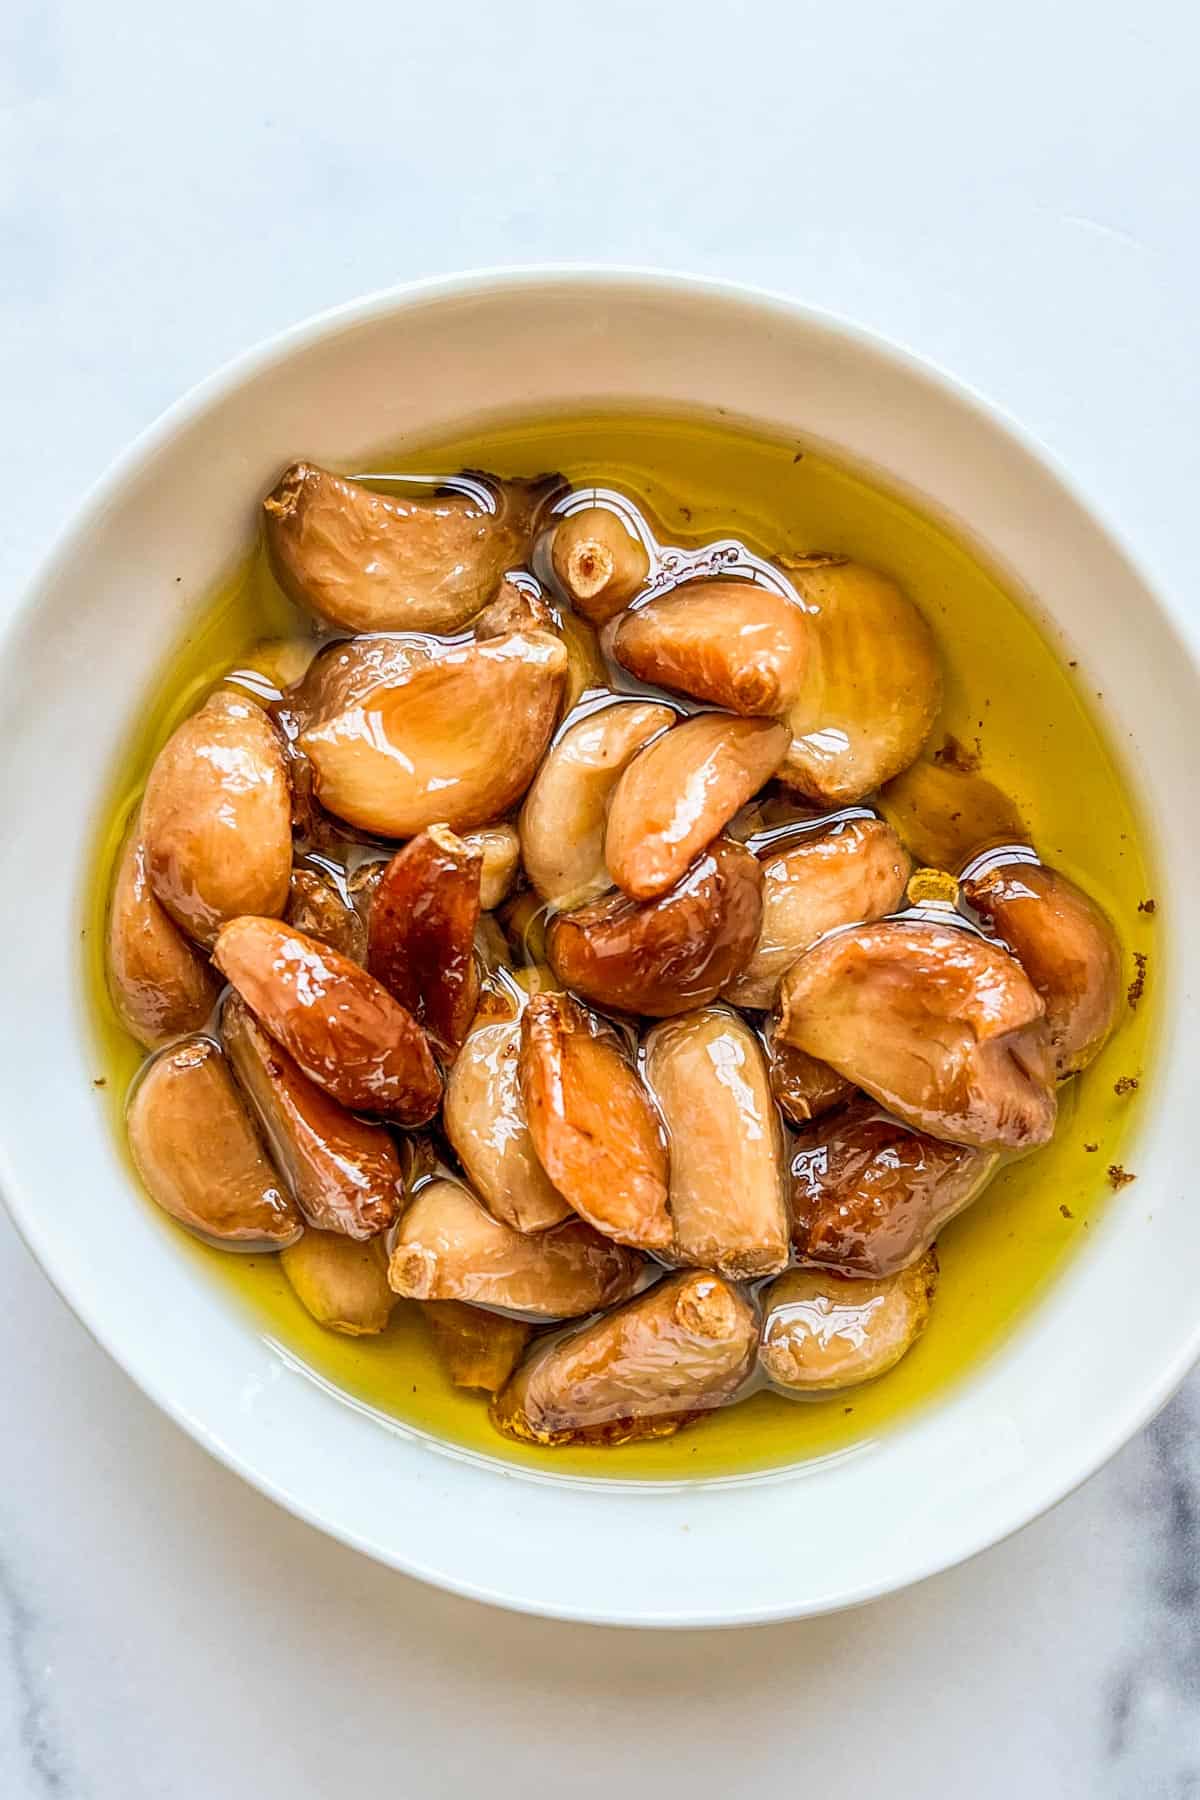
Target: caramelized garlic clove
(728, 1191)
(448, 1247)
(197, 1151)
(217, 818)
(343, 1028)
(870, 1194)
(664, 956)
(563, 819)
(821, 1332)
(484, 1119)
(343, 674)
(455, 741)
(944, 813)
(586, 670)
(514, 609)
(344, 1173)
(678, 793)
(386, 562)
(161, 985)
(499, 849)
(477, 1349)
(1066, 945)
(598, 562)
(851, 872)
(872, 687)
(421, 944)
(341, 1282)
(731, 643)
(942, 1027)
(593, 1127)
(317, 909)
(804, 1088)
(680, 1349)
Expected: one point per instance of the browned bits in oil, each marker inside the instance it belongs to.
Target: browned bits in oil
(1065, 1210)
(1091, 1148)
(1119, 1177)
(954, 754)
(1125, 1084)
(1137, 986)
(1149, 907)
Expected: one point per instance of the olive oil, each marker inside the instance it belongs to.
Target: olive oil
(1039, 736)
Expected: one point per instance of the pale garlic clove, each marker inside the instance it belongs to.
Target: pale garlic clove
(821, 1332)
(598, 562)
(728, 1190)
(455, 741)
(563, 819)
(271, 667)
(196, 1149)
(477, 1349)
(217, 818)
(389, 562)
(664, 956)
(586, 671)
(850, 872)
(1066, 945)
(524, 920)
(161, 985)
(942, 1027)
(595, 1131)
(677, 1351)
(344, 673)
(732, 643)
(343, 1172)
(343, 1028)
(804, 1088)
(421, 943)
(872, 687)
(448, 1247)
(945, 813)
(499, 849)
(341, 1282)
(484, 1119)
(515, 608)
(676, 796)
(316, 908)
(870, 1194)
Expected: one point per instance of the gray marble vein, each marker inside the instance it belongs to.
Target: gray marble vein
(32, 1754)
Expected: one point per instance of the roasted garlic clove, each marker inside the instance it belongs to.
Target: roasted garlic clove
(343, 674)
(421, 944)
(661, 957)
(159, 982)
(944, 813)
(595, 1132)
(848, 873)
(821, 1332)
(678, 1350)
(484, 1119)
(317, 909)
(344, 1173)
(448, 1247)
(455, 741)
(390, 562)
(676, 795)
(870, 1195)
(499, 850)
(804, 1088)
(942, 1027)
(477, 1349)
(598, 562)
(563, 818)
(1067, 947)
(729, 642)
(217, 818)
(342, 1027)
(196, 1150)
(728, 1202)
(514, 609)
(343, 1284)
(586, 671)
(872, 686)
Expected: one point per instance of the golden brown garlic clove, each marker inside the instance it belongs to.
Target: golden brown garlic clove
(217, 818)
(598, 562)
(661, 957)
(804, 1088)
(732, 643)
(847, 873)
(944, 813)
(1067, 947)
(484, 1119)
(595, 1132)
(499, 850)
(514, 609)
(198, 1153)
(563, 818)
(872, 687)
(676, 796)
(160, 983)
(343, 674)
(448, 1247)
(344, 1173)
(455, 741)
(390, 562)
(586, 671)
(942, 1027)
(317, 909)
(678, 1350)
(477, 1349)
(342, 1027)
(870, 1194)
(821, 1332)
(341, 1282)
(421, 944)
(728, 1201)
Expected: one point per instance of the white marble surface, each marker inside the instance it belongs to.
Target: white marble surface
(1011, 190)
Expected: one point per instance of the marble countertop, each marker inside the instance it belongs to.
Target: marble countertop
(1012, 192)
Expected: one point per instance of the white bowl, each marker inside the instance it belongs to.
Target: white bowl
(1088, 1367)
